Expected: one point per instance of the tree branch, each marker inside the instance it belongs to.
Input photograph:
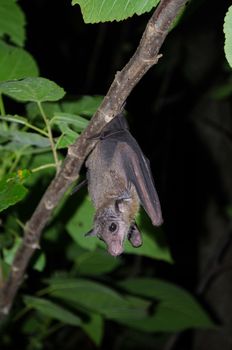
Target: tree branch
(144, 58)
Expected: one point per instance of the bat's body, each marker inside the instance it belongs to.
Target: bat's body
(119, 179)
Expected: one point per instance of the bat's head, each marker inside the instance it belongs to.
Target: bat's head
(112, 225)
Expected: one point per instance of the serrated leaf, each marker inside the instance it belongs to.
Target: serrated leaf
(32, 89)
(16, 63)
(52, 310)
(228, 36)
(12, 21)
(95, 11)
(176, 309)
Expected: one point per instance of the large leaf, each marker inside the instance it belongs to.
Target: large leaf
(15, 63)
(12, 21)
(32, 89)
(228, 36)
(176, 309)
(95, 11)
(95, 297)
(52, 310)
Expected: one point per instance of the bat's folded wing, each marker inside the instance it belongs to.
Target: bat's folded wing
(138, 172)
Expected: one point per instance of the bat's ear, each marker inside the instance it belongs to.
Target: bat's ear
(134, 236)
(91, 233)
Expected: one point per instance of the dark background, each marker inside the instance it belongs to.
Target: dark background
(182, 123)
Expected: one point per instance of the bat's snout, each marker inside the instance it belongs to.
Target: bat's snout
(115, 248)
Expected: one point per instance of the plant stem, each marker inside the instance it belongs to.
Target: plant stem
(49, 136)
(18, 155)
(30, 126)
(25, 123)
(45, 166)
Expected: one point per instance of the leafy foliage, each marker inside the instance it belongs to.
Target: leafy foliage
(15, 63)
(95, 11)
(32, 89)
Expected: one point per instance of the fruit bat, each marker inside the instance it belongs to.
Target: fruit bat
(119, 180)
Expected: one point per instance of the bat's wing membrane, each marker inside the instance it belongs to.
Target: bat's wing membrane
(138, 172)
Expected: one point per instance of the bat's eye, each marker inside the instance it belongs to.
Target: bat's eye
(113, 227)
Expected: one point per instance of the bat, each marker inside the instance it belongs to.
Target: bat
(119, 180)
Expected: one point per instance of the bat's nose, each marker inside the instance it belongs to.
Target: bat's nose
(115, 249)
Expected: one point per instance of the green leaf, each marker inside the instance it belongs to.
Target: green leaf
(78, 122)
(14, 119)
(26, 138)
(66, 139)
(92, 296)
(52, 310)
(86, 105)
(95, 11)
(154, 245)
(11, 191)
(96, 263)
(9, 253)
(32, 89)
(16, 63)
(81, 223)
(50, 108)
(12, 21)
(176, 308)
(94, 328)
(228, 36)
(40, 262)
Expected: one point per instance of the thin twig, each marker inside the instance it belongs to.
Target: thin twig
(144, 58)
(49, 130)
